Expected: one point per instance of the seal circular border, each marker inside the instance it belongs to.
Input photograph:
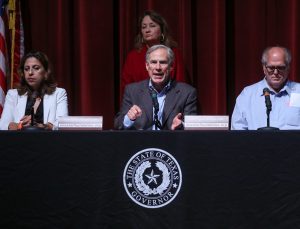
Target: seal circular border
(140, 152)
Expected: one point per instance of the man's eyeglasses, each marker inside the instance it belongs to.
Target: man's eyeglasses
(271, 69)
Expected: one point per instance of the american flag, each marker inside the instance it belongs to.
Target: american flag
(3, 53)
(11, 45)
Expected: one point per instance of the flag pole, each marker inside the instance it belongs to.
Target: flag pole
(12, 28)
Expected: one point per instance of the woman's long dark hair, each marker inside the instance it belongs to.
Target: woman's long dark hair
(49, 84)
(166, 40)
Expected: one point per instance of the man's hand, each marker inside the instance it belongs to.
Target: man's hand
(177, 121)
(134, 112)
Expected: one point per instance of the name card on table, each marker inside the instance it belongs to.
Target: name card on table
(206, 122)
(80, 123)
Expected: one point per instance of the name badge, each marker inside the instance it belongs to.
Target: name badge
(295, 100)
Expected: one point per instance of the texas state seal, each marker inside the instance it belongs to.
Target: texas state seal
(152, 178)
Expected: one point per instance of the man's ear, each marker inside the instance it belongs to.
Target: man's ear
(265, 70)
(147, 65)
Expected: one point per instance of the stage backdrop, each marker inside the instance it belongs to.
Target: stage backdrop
(221, 42)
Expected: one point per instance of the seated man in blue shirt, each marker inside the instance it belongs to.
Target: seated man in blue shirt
(250, 108)
(159, 102)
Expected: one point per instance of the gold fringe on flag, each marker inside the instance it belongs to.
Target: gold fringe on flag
(12, 28)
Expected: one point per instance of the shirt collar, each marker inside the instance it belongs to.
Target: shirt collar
(163, 91)
(286, 88)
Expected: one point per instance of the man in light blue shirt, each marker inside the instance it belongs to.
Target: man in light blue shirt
(250, 108)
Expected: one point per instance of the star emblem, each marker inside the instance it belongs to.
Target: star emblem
(129, 185)
(152, 177)
(175, 185)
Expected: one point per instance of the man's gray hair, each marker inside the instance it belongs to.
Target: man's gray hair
(170, 53)
(287, 52)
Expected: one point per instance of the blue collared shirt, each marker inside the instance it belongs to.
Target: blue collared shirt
(161, 97)
(250, 108)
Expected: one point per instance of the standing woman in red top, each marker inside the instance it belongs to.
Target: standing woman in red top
(153, 30)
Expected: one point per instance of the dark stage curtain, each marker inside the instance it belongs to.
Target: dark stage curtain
(221, 42)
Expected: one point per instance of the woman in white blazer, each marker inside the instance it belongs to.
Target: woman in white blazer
(36, 94)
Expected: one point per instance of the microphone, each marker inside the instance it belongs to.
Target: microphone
(33, 97)
(32, 116)
(33, 126)
(155, 101)
(266, 93)
(156, 109)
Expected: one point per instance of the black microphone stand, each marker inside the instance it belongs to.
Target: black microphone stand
(32, 126)
(156, 120)
(268, 127)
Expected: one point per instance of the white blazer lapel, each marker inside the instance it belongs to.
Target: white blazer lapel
(21, 106)
(46, 104)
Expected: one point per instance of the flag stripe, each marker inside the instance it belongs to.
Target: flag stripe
(11, 44)
(2, 61)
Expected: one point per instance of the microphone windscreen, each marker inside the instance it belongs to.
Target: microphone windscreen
(266, 91)
(34, 94)
(153, 95)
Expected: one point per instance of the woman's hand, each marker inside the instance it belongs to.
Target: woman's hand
(26, 120)
(13, 126)
(47, 126)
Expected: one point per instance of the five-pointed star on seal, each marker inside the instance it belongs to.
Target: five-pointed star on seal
(174, 185)
(129, 185)
(152, 177)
